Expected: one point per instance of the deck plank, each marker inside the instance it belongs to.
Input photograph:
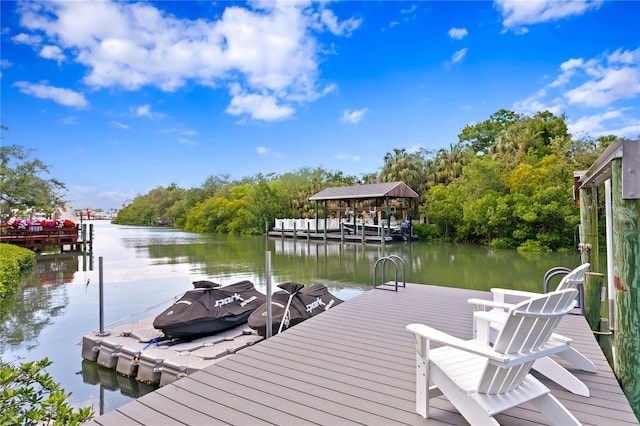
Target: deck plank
(355, 364)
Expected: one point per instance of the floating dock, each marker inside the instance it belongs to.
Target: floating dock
(138, 351)
(355, 364)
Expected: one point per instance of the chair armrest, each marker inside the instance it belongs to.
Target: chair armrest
(427, 333)
(483, 304)
(431, 334)
(499, 293)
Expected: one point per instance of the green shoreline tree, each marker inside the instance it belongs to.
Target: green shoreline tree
(21, 184)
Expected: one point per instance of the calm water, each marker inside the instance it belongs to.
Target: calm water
(146, 267)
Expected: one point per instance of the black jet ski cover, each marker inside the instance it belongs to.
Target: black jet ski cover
(209, 309)
(301, 303)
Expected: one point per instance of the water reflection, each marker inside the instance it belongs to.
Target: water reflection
(93, 374)
(39, 301)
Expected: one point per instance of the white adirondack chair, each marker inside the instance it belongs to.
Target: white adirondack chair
(497, 309)
(482, 381)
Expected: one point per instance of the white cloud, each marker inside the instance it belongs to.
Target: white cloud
(269, 49)
(182, 132)
(612, 85)
(410, 10)
(459, 56)
(606, 123)
(52, 52)
(534, 104)
(458, 33)
(121, 125)
(4, 64)
(260, 107)
(262, 150)
(604, 84)
(43, 90)
(568, 70)
(145, 111)
(602, 80)
(353, 116)
(517, 14)
(346, 27)
(31, 40)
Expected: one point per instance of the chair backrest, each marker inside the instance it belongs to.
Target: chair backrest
(574, 278)
(527, 328)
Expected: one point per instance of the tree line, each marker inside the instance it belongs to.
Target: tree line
(506, 182)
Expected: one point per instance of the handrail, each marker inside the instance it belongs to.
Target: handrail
(384, 260)
(404, 273)
(552, 273)
(561, 270)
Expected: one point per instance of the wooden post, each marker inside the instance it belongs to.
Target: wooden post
(593, 298)
(295, 230)
(589, 227)
(325, 220)
(626, 271)
(363, 232)
(341, 232)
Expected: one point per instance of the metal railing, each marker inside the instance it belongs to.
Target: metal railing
(383, 260)
(561, 270)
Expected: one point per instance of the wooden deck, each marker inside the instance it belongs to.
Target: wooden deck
(355, 364)
(55, 237)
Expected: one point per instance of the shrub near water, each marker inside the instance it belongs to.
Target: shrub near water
(29, 396)
(13, 260)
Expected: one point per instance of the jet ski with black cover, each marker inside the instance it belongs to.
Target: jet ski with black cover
(294, 304)
(208, 309)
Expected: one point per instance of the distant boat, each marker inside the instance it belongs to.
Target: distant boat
(208, 309)
(394, 231)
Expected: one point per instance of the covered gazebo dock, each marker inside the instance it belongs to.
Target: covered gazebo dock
(372, 210)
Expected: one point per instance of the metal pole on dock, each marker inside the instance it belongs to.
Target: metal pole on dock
(101, 292)
(269, 312)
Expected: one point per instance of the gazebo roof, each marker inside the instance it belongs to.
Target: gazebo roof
(364, 192)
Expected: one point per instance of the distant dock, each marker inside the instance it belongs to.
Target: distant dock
(334, 230)
(73, 238)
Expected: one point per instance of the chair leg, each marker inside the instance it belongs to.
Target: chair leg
(422, 381)
(577, 359)
(554, 371)
(554, 411)
(466, 404)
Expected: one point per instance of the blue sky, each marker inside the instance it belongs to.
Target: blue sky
(118, 98)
